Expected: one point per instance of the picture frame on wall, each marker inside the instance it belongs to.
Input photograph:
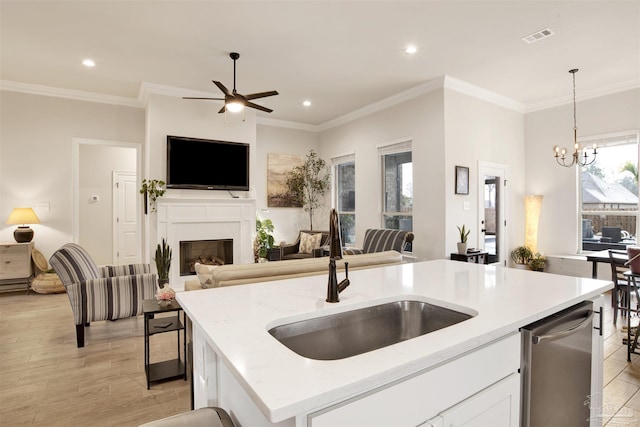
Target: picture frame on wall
(462, 180)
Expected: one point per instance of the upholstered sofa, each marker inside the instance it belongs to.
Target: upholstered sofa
(296, 249)
(237, 274)
(379, 240)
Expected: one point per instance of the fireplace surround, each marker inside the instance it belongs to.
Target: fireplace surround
(185, 219)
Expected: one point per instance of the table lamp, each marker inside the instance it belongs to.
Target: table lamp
(23, 216)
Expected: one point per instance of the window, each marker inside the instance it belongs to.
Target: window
(397, 186)
(609, 194)
(344, 195)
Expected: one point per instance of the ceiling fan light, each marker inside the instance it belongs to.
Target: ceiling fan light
(235, 106)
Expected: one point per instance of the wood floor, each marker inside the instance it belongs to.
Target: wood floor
(45, 380)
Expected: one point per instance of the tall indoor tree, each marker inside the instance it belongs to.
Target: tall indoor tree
(309, 182)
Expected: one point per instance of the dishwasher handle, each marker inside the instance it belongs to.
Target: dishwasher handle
(538, 339)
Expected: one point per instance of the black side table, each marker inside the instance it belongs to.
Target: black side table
(153, 325)
(477, 257)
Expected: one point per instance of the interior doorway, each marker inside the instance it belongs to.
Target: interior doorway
(95, 198)
(491, 210)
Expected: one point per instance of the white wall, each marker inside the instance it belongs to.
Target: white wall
(421, 120)
(287, 221)
(36, 134)
(97, 164)
(167, 115)
(558, 228)
(478, 130)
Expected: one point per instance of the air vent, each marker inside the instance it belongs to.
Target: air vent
(538, 35)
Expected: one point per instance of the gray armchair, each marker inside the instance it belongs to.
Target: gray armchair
(380, 240)
(106, 293)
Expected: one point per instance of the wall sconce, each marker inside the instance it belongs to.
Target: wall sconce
(532, 206)
(23, 216)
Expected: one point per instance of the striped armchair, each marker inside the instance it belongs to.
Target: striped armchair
(380, 240)
(105, 293)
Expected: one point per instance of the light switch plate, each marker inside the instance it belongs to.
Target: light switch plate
(466, 206)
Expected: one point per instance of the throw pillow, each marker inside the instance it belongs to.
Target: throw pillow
(308, 242)
(205, 274)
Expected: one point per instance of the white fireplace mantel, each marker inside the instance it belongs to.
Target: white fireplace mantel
(202, 218)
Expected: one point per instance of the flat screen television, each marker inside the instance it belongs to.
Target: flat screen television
(207, 164)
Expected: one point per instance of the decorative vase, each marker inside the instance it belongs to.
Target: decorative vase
(163, 282)
(164, 303)
(462, 247)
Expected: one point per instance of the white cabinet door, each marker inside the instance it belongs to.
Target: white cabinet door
(495, 406)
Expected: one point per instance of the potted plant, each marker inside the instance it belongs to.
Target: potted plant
(521, 256)
(264, 239)
(163, 262)
(308, 183)
(464, 235)
(537, 262)
(152, 190)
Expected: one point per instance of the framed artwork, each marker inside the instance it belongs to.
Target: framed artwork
(278, 166)
(462, 180)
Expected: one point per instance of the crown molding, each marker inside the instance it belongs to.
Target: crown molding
(383, 104)
(266, 121)
(585, 95)
(483, 94)
(147, 88)
(77, 95)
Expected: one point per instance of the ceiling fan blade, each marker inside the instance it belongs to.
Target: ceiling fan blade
(221, 87)
(207, 99)
(258, 107)
(223, 109)
(261, 94)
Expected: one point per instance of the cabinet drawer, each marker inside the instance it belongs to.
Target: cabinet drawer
(410, 402)
(15, 261)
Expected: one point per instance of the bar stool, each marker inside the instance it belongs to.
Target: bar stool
(203, 417)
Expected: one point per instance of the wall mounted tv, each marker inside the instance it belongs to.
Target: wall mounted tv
(207, 164)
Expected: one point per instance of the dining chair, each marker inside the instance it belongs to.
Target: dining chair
(619, 293)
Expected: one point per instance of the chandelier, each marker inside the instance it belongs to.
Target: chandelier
(577, 158)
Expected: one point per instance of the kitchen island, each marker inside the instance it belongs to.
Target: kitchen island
(239, 366)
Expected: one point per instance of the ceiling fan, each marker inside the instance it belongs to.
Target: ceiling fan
(234, 101)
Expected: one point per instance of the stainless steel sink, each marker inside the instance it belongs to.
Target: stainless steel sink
(349, 333)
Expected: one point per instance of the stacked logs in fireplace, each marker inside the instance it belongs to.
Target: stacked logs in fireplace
(210, 252)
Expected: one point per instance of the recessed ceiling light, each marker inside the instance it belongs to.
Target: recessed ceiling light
(410, 50)
(88, 63)
(306, 103)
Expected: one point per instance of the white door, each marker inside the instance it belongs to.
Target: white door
(492, 178)
(126, 228)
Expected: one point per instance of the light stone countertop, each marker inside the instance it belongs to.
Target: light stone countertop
(283, 384)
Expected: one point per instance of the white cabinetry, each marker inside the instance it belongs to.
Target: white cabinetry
(412, 401)
(494, 406)
(15, 263)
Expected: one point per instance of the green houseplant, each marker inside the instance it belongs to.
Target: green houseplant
(521, 256)
(152, 190)
(537, 262)
(264, 239)
(464, 235)
(163, 262)
(308, 183)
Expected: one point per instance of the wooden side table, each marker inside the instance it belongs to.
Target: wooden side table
(477, 257)
(15, 265)
(153, 325)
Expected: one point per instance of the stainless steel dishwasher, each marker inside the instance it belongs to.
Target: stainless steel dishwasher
(556, 369)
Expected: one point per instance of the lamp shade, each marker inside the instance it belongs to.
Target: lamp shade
(23, 216)
(532, 206)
